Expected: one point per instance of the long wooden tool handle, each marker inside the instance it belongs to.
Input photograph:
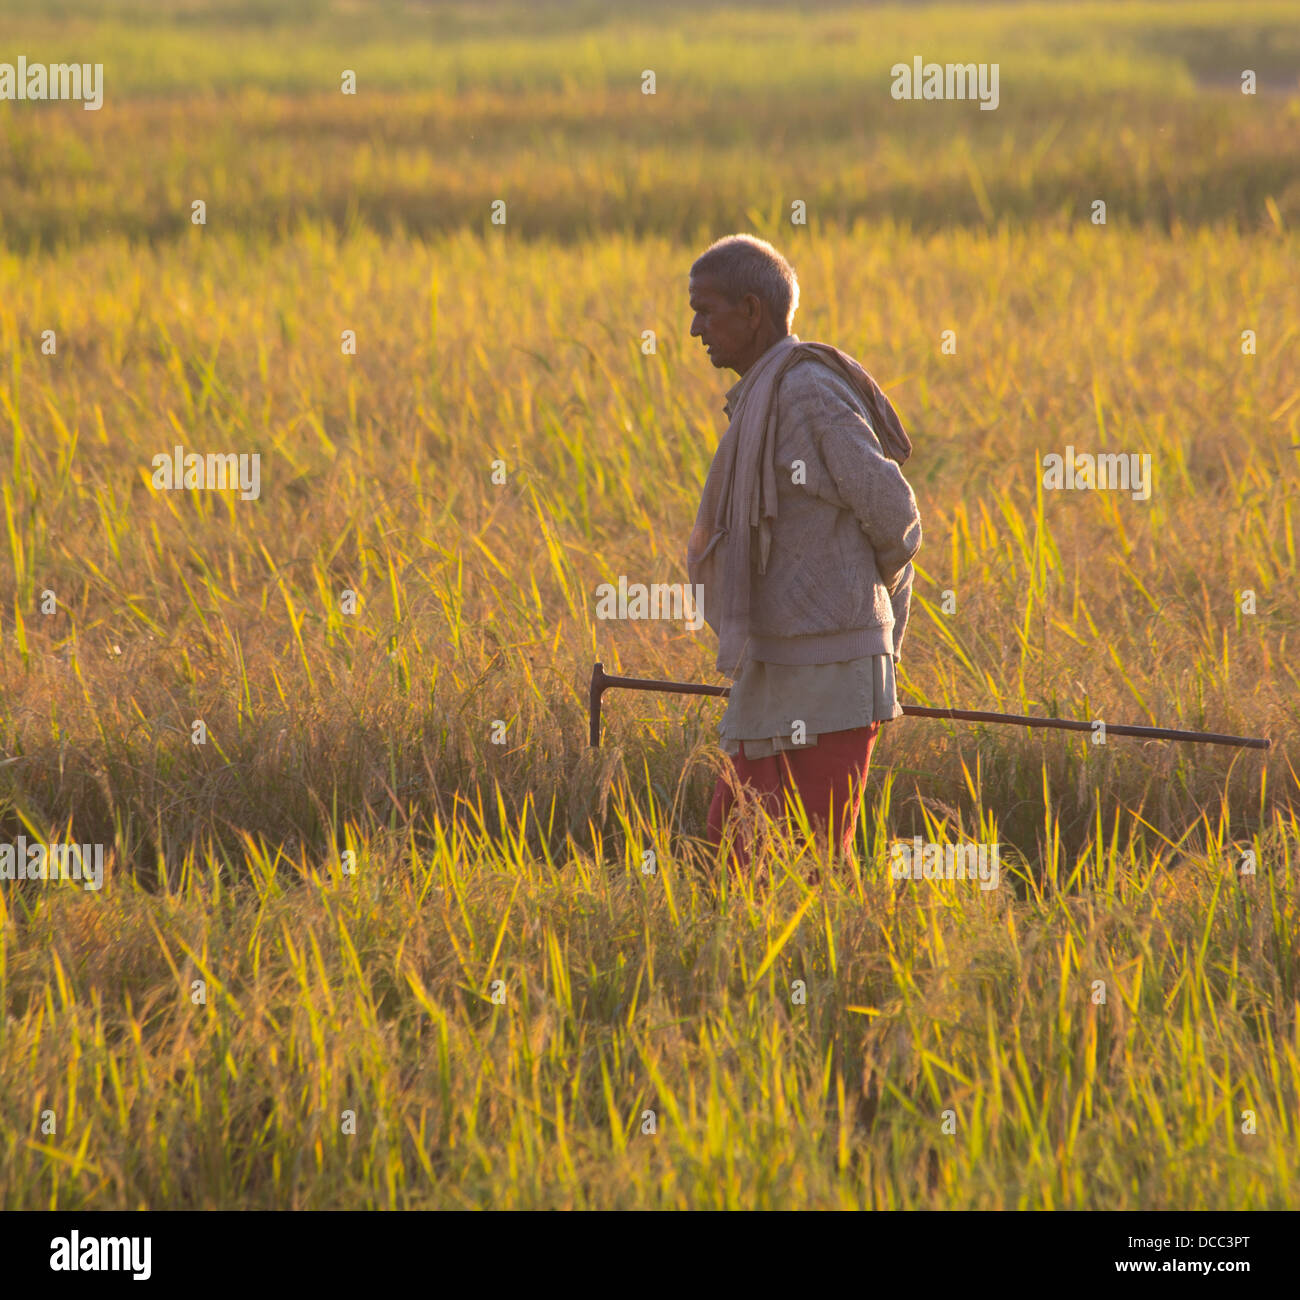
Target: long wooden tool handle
(600, 683)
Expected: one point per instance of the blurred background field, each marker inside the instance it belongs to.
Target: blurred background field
(522, 861)
(240, 104)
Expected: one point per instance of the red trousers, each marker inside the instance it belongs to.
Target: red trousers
(829, 777)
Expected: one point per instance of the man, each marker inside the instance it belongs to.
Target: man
(803, 546)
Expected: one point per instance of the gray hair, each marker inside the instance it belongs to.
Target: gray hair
(746, 264)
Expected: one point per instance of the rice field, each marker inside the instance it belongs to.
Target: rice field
(392, 935)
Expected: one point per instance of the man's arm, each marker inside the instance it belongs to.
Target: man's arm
(864, 479)
(901, 600)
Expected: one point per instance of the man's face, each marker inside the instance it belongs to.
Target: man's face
(728, 330)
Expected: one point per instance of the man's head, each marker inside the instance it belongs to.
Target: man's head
(744, 295)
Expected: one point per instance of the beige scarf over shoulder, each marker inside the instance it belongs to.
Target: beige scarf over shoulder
(740, 492)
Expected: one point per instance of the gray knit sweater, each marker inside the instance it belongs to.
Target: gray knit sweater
(839, 579)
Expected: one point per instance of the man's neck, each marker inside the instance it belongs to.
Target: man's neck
(763, 350)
